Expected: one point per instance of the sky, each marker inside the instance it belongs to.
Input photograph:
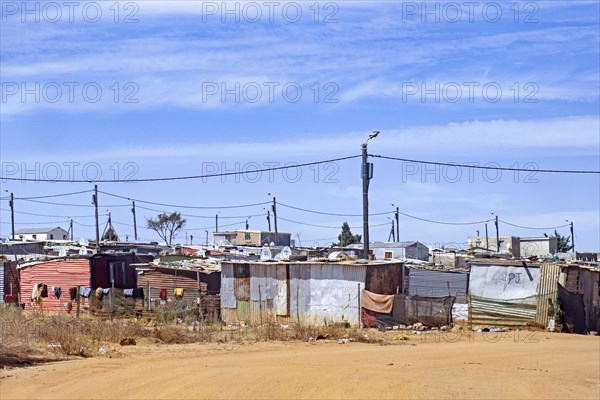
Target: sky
(154, 89)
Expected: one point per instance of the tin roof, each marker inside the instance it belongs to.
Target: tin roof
(26, 231)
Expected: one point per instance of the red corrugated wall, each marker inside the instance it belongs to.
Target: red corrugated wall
(64, 273)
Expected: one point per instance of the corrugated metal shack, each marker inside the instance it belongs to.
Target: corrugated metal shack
(585, 280)
(63, 273)
(421, 280)
(198, 280)
(98, 271)
(512, 292)
(319, 292)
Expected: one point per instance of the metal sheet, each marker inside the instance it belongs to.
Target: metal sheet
(64, 273)
(423, 282)
(282, 301)
(316, 293)
(491, 312)
(547, 293)
(503, 282)
(227, 292)
(171, 278)
(503, 295)
(241, 281)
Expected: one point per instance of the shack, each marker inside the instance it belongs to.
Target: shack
(319, 292)
(57, 280)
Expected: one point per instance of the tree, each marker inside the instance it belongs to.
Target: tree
(346, 237)
(166, 225)
(562, 244)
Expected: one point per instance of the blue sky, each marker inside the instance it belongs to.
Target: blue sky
(184, 88)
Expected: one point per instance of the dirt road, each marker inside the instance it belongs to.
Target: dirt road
(543, 366)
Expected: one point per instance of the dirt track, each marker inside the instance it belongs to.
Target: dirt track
(544, 366)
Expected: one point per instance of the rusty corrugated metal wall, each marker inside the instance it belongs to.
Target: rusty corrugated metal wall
(11, 281)
(586, 282)
(171, 279)
(547, 293)
(63, 273)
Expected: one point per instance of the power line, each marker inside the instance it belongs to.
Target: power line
(529, 227)
(203, 216)
(179, 178)
(332, 214)
(46, 215)
(211, 227)
(75, 205)
(53, 195)
(442, 222)
(37, 223)
(555, 171)
(327, 227)
(181, 206)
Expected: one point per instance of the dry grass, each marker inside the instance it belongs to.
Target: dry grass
(35, 336)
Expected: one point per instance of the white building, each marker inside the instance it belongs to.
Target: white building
(41, 234)
(400, 250)
(538, 246)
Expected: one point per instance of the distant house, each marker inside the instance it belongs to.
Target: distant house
(41, 234)
(400, 250)
(538, 246)
(224, 238)
(506, 244)
(252, 238)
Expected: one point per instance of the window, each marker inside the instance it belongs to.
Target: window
(34, 236)
(388, 254)
(51, 236)
(247, 236)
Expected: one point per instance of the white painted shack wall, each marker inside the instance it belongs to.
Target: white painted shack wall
(318, 293)
(503, 282)
(227, 293)
(334, 294)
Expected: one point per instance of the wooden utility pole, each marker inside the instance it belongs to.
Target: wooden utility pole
(12, 215)
(397, 224)
(275, 220)
(497, 235)
(95, 202)
(134, 222)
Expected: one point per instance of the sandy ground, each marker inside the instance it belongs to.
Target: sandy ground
(516, 366)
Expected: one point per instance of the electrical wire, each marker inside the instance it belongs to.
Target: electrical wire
(442, 222)
(179, 178)
(75, 205)
(36, 223)
(211, 227)
(332, 214)
(46, 215)
(202, 216)
(190, 207)
(53, 195)
(529, 227)
(554, 171)
(327, 227)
